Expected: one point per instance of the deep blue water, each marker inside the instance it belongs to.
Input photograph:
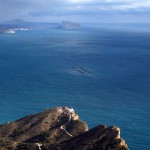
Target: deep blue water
(36, 74)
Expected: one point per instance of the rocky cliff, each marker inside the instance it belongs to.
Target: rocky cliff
(58, 129)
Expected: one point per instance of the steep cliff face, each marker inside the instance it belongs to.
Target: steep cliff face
(58, 128)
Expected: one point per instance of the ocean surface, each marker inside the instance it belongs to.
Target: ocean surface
(103, 74)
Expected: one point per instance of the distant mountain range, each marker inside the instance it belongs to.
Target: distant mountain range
(18, 24)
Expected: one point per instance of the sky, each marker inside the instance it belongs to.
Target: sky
(81, 11)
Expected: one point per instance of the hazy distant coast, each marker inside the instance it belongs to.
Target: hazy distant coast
(18, 24)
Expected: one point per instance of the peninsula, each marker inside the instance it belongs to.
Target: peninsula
(58, 129)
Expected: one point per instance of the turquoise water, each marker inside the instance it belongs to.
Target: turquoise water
(38, 71)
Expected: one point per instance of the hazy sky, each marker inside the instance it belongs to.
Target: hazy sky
(76, 10)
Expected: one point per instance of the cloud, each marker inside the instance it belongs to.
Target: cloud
(42, 9)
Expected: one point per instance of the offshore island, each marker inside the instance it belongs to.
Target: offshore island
(58, 129)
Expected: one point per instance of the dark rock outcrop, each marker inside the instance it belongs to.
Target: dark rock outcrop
(58, 129)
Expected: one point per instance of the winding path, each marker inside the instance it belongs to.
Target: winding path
(39, 145)
(68, 112)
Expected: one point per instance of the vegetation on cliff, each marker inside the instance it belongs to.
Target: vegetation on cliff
(58, 129)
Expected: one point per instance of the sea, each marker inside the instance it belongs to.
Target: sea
(102, 73)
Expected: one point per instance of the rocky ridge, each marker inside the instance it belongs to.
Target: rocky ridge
(58, 129)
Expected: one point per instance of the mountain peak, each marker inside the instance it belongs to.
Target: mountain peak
(67, 25)
(15, 21)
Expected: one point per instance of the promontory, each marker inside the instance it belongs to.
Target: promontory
(58, 129)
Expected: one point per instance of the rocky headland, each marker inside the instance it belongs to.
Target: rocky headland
(67, 25)
(58, 129)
